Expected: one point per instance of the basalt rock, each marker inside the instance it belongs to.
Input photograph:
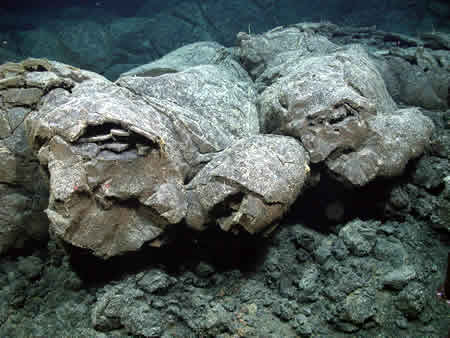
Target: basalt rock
(262, 51)
(393, 140)
(334, 105)
(179, 145)
(191, 55)
(249, 185)
(118, 158)
(416, 76)
(23, 191)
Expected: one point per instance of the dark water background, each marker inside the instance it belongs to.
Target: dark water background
(110, 37)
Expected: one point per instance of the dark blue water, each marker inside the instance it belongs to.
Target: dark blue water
(110, 37)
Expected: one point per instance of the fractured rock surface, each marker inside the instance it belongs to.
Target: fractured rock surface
(23, 191)
(178, 142)
(252, 184)
(335, 104)
(118, 161)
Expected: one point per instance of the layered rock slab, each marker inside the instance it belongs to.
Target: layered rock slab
(23, 191)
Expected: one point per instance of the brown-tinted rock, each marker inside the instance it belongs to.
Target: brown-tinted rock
(118, 157)
(417, 76)
(23, 190)
(325, 101)
(249, 185)
(337, 105)
(394, 140)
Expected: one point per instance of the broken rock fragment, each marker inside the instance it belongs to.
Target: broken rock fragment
(249, 185)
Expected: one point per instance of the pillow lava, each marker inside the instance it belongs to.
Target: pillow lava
(128, 160)
(252, 183)
(120, 156)
(337, 105)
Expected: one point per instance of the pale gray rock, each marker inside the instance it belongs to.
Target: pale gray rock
(259, 51)
(179, 142)
(325, 101)
(404, 135)
(338, 106)
(392, 141)
(249, 185)
(214, 94)
(193, 54)
(5, 129)
(95, 203)
(21, 96)
(163, 130)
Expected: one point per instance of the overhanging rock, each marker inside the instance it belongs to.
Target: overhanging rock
(115, 182)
